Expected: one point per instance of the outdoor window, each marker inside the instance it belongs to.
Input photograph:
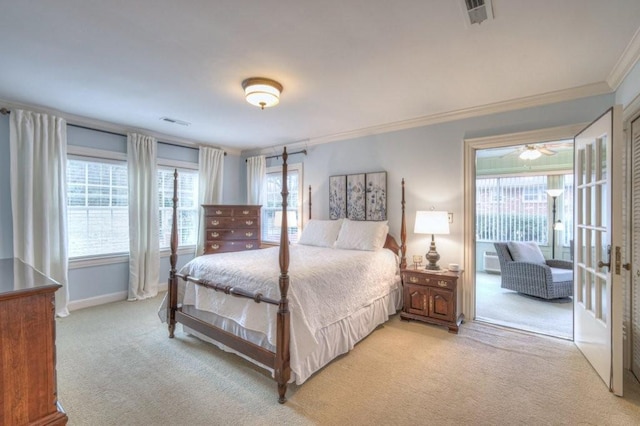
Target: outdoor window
(187, 206)
(273, 203)
(517, 208)
(97, 207)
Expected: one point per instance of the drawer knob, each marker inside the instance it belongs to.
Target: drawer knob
(215, 222)
(249, 222)
(218, 211)
(245, 211)
(215, 234)
(215, 246)
(248, 234)
(442, 283)
(413, 279)
(249, 246)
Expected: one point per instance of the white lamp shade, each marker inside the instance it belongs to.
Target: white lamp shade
(554, 192)
(559, 226)
(431, 222)
(292, 219)
(262, 92)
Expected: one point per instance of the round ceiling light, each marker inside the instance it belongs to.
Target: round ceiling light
(262, 92)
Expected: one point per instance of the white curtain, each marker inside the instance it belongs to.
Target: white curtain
(210, 171)
(144, 246)
(256, 173)
(39, 196)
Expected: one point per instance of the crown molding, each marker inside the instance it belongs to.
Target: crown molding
(96, 124)
(626, 62)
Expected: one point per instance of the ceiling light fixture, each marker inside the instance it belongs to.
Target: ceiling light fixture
(530, 153)
(262, 92)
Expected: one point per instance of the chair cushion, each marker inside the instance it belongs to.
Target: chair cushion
(526, 251)
(559, 275)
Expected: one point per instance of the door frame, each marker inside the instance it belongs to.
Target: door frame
(472, 145)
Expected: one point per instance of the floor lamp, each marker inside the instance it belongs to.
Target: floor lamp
(554, 193)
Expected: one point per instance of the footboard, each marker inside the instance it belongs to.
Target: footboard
(278, 360)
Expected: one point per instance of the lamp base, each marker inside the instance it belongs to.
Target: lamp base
(432, 257)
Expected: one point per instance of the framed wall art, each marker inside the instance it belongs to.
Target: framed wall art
(356, 197)
(337, 197)
(376, 196)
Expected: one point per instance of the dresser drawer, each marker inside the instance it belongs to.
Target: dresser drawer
(231, 234)
(232, 222)
(228, 246)
(235, 211)
(431, 280)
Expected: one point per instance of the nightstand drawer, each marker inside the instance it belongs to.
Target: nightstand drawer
(431, 280)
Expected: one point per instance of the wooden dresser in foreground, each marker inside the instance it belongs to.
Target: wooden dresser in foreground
(231, 228)
(27, 347)
(433, 297)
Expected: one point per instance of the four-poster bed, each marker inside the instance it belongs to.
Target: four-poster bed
(309, 339)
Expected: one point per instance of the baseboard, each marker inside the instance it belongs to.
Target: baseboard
(74, 305)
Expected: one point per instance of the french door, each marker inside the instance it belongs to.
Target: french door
(598, 295)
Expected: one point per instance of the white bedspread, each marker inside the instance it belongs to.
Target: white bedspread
(326, 286)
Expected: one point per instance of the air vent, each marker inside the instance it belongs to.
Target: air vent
(477, 11)
(175, 121)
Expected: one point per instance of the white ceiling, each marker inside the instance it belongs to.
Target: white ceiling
(346, 65)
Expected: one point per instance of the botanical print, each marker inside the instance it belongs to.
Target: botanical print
(376, 203)
(337, 197)
(356, 197)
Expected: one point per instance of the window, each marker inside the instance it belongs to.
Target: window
(97, 207)
(518, 209)
(187, 206)
(273, 203)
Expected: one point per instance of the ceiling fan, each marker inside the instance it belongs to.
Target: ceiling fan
(533, 151)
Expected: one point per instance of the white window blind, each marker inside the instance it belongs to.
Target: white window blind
(97, 207)
(273, 202)
(187, 206)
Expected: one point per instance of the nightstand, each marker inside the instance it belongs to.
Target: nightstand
(433, 297)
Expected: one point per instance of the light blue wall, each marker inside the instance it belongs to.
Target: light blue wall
(630, 87)
(6, 226)
(430, 159)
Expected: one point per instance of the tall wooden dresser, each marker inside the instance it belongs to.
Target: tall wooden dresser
(27, 347)
(231, 228)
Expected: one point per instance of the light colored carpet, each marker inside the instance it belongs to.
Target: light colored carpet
(116, 366)
(512, 309)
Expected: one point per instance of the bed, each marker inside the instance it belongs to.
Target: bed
(343, 282)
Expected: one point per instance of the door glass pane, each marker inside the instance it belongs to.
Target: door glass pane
(601, 311)
(602, 142)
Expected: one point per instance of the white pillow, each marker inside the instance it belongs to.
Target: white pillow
(526, 252)
(361, 235)
(321, 233)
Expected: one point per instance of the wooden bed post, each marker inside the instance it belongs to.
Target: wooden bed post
(403, 234)
(282, 366)
(172, 303)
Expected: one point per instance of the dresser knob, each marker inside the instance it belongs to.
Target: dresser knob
(215, 234)
(249, 234)
(413, 279)
(249, 246)
(245, 211)
(215, 222)
(215, 246)
(218, 211)
(249, 222)
(442, 283)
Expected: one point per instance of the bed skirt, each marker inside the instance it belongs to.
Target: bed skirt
(333, 340)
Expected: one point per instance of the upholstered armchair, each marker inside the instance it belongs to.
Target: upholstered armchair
(524, 269)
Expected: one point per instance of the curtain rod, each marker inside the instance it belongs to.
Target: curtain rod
(304, 151)
(5, 111)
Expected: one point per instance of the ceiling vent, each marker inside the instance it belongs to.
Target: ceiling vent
(174, 121)
(477, 11)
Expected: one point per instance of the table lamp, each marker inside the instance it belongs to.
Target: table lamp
(432, 222)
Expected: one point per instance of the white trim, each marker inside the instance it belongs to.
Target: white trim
(100, 154)
(74, 305)
(631, 110)
(626, 62)
(89, 262)
(594, 89)
(470, 147)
